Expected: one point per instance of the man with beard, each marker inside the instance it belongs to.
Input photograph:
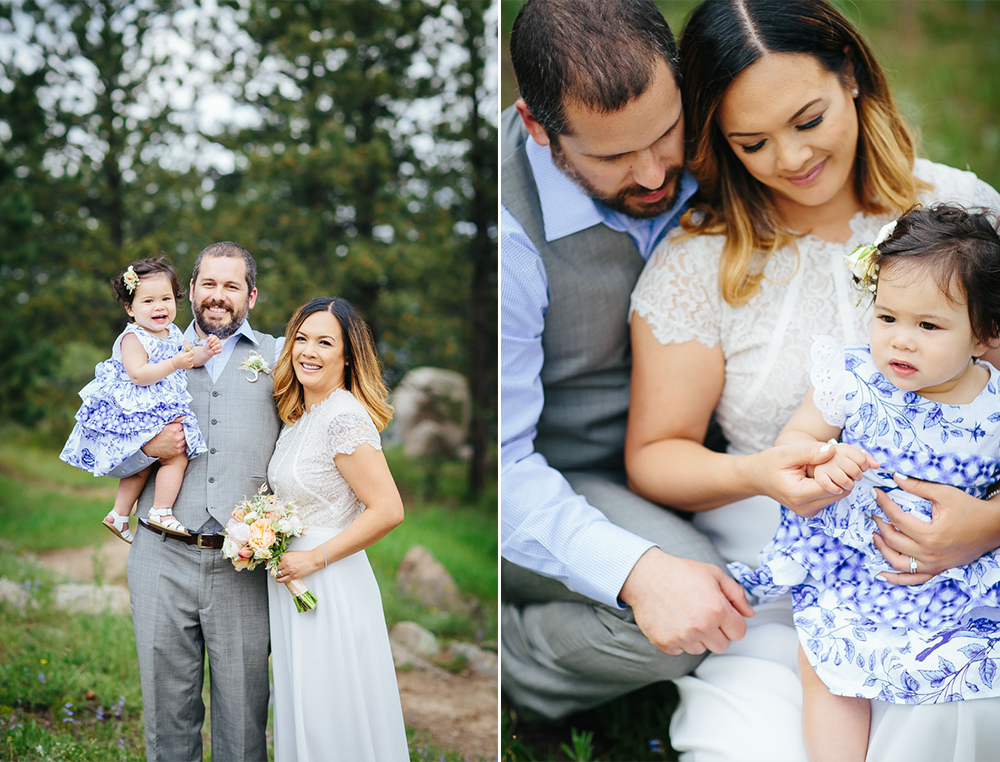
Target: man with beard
(598, 585)
(187, 599)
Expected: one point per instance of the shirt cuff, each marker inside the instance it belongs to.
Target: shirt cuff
(603, 557)
(132, 465)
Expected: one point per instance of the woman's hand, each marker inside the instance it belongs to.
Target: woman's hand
(961, 529)
(782, 473)
(839, 474)
(296, 564)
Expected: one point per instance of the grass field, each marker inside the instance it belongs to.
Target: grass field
(69, 685)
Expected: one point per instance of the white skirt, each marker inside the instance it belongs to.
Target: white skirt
(335, 692)
(745, 705)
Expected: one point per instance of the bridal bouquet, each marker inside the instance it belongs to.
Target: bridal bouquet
(258, 532)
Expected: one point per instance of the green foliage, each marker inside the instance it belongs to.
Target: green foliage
(337, 175)
(581, 745)
(633, 727)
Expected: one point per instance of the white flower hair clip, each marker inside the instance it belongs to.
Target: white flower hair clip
(131, 279)
(254, 365)
(861, 261)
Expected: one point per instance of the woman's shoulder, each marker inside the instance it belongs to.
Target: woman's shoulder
(349, 423)
(953, 185)
(342, 404)
(681, 250)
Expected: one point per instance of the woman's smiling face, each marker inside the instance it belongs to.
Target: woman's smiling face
(318, 356)
(794, 126)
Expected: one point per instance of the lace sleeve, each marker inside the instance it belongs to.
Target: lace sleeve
(350, 430)
(678, 292)
(827, 377)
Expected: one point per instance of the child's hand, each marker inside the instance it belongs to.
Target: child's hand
(213, 345)
(838, 475)
(183, 359)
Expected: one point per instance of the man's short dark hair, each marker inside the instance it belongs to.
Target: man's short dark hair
(233, 251)
(601, 53)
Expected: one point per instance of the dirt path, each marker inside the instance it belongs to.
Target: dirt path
(458, 712)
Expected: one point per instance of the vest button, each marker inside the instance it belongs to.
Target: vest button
(215, 394)
(214, 421)
(212, 451)
(211, 480)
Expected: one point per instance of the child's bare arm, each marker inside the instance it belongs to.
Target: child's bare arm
(807, 425)
(141, 371)
(204, 352)
(838, 474)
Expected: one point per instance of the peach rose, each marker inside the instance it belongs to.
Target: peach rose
(244, 552)
(261, 536)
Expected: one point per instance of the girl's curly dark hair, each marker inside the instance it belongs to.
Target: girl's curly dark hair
(961, 248)
(145, 268)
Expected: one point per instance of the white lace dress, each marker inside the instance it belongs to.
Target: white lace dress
(335, 692)
(753, 690)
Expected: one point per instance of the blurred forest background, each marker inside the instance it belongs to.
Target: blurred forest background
(350, 146)
(942, 59)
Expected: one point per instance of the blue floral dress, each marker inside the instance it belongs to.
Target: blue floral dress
(921, 644)
(118, 417)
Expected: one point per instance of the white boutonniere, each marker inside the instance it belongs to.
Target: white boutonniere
(254, 365)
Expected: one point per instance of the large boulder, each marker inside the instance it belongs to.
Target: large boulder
(424, 579)
(91, 599)
(433, 407)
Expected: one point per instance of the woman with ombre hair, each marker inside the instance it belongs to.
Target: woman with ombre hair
(335, 692)
(801, 156)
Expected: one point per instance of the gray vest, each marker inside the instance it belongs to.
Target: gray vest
(588, 359)
(240, 423)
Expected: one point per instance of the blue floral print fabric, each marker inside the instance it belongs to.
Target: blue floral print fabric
(865, 637)
(118, 417)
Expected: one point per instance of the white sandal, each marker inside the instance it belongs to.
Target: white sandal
(119, 525)
(163, 519)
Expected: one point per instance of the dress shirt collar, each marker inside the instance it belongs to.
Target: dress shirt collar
(566, 209)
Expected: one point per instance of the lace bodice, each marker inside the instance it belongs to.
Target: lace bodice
(766, 342)
(302, 469)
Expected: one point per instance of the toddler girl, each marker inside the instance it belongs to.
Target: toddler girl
(141, 389)
(919, 403)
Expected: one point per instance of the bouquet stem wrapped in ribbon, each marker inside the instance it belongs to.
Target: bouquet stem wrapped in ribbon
(259, 532)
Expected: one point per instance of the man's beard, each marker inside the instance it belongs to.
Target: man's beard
(624, 200)
(208, 326)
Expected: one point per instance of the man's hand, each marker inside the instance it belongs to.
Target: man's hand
(961, 529)
(685, 606)
(169, 443)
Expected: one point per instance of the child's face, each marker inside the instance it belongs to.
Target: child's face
(153, 304)
(920, 340)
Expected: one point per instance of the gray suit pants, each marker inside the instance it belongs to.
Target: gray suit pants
(563, 653)
(187, 602)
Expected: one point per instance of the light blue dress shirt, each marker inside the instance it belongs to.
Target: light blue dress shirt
(544, 525)
(215, 365)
